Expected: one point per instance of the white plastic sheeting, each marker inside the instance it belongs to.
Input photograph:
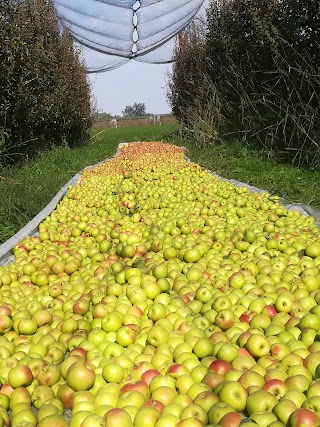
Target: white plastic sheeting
(121, 30)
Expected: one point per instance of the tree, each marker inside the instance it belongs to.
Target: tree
(44, 90)
(135, 110)
(100, 115)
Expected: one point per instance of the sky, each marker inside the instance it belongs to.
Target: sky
(133, 82)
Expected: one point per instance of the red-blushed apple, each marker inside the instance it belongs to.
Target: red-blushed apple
(303, 417)
(212, 379)
(140, 386)
(244, 352)
(220, 367)
(247, 316)
(232, 419)
(151, 403)
(225, 319)
(20, 376)
(78, 351)
(149, 374)
(140, 368)
(269, 310)
(66, 395)
(275, 386)
(6, 389)
(5, 323)
(176, 370)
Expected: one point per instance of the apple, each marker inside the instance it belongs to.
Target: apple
(113, 372)
(217, 411)
(312, 403)
(167, 420)
(53, 420)
(48, 375)
(20, 376)
(284, 409)
(127, 335)
(196, 412)
(149, 374)
(146, 416)
(233, 394)
(303, 417)
(157, 335)
(220, 366)
(225, 319)
(260, 401)
(275, 386)
(258, 345)
(41, 395)
(264, 418)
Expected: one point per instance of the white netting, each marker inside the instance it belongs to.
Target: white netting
(121, 30)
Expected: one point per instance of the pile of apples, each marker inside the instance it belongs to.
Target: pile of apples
(156, 295)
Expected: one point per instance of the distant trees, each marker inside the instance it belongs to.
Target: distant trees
(102, 115)
(44, 90)
(135, 110)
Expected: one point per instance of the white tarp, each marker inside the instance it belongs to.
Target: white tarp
(127, 29)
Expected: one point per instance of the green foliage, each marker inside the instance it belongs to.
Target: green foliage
(44, 92)
(257, 68)
(243, 162)
(101, 116)
(135, 110)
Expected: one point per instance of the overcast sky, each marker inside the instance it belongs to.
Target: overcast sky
(133, 82)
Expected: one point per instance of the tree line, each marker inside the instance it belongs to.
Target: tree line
(252, 72)
(44, 90)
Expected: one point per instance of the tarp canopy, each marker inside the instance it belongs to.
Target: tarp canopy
(121, 30)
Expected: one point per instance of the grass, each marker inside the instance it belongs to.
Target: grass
(26, 189)
(238, 161)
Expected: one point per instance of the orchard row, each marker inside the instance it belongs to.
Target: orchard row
(157, 295)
